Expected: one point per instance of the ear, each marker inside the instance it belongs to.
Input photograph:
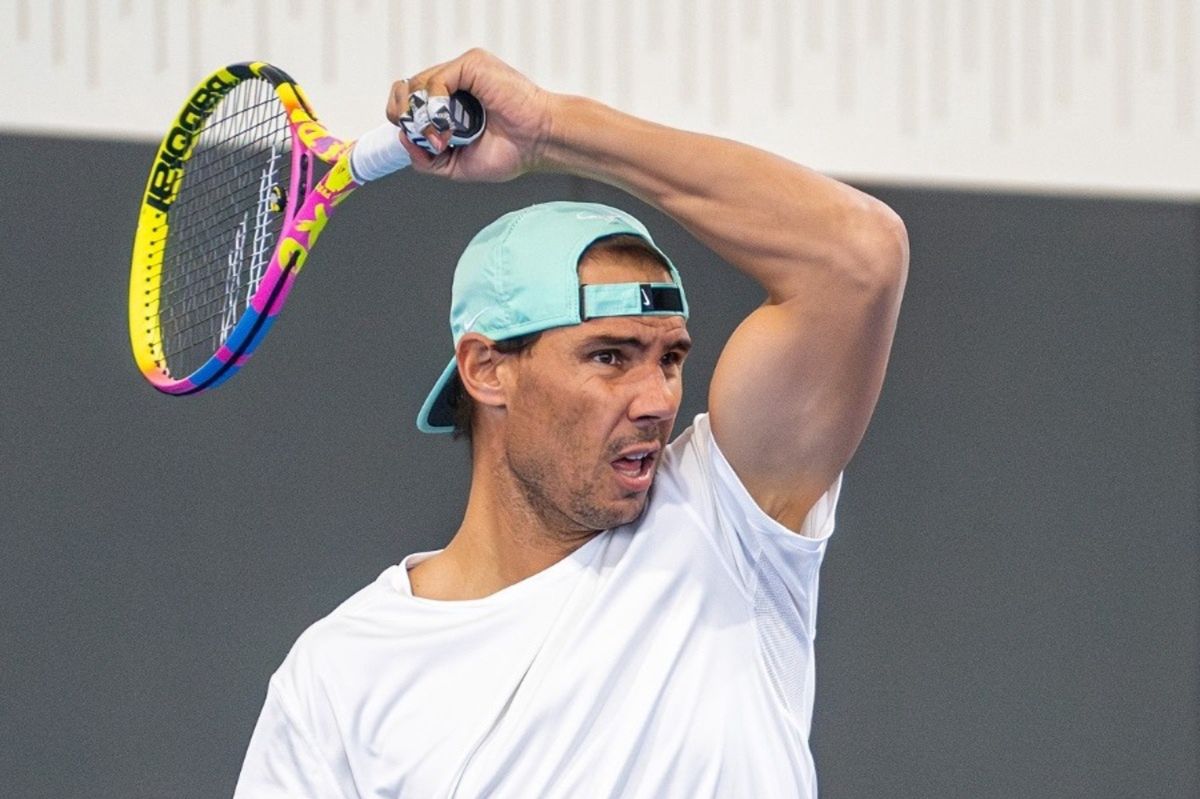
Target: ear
(478, 368)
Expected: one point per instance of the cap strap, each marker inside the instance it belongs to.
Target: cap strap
(631, 299)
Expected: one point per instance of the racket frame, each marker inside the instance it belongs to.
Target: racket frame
(307, 210)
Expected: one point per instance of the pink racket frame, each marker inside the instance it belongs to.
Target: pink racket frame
(308, 210)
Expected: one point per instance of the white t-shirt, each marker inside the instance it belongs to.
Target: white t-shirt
(671, 657)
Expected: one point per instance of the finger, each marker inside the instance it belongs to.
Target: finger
(401, 107)
(397, 103)
(415, 121)
(422, 159)
(418, 80)
(420, 106)
(438, 109)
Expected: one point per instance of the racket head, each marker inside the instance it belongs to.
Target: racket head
(211, 257)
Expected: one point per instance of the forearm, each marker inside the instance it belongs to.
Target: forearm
(773, 219)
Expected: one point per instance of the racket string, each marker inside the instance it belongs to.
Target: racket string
(206, 198)
(215, 296)
(223, 224)
(259, 255)
(219, 178)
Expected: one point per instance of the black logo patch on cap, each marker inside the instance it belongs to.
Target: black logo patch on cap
(660, 298)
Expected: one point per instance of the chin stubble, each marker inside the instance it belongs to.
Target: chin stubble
(580, 516)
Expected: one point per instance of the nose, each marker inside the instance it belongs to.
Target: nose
(656, 395)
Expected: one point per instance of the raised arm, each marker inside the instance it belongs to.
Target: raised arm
(797, 382)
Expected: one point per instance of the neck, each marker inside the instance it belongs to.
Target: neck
(503, 538)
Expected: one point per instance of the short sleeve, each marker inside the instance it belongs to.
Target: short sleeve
(282, 759)
(775, 566)
(734, 499)
(778, 569)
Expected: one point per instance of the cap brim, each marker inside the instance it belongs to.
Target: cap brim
(437, 414)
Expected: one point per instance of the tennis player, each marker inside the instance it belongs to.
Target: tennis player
(619, 614)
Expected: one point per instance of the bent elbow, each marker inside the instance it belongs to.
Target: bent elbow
(884, 246)
(878, 247)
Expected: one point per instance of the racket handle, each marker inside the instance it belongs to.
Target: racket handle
(379, 152)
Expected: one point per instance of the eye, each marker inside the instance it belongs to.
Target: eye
(607, 357)
(673, 358)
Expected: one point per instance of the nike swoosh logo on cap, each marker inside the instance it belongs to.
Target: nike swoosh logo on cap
(604, 217)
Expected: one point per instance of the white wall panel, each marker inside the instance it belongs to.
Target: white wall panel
(1079, 95)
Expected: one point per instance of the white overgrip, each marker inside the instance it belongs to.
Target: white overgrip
(378, 152)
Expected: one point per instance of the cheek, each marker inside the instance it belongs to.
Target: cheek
(542, 415)
(563, 421)
(570, 422)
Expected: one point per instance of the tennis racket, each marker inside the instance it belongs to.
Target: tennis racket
(231, 212)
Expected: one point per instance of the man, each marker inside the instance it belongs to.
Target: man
(616, 615)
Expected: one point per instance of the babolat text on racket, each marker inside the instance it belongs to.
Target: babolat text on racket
(231, 213)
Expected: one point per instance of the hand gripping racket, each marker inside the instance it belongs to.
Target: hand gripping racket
(230, 214)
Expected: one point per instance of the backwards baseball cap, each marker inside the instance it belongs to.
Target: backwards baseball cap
(519, 275)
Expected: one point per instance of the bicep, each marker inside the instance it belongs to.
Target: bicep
(796, 385)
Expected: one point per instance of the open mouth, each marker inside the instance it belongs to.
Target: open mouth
(635, 470)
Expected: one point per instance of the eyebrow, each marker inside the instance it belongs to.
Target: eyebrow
(683, 345)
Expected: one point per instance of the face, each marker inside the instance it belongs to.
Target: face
(593, 408)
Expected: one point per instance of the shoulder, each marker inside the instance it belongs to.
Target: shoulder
(694, 468)
(696, 472)
(686, 459)
(684, 474)
(335, 641)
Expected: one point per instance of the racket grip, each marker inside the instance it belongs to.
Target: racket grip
(379, 152)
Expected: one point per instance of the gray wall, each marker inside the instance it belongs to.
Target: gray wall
(1010, 607)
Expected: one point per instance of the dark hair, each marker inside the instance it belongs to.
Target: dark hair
(624, 246)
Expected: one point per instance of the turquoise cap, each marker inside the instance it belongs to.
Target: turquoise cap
(520, 275)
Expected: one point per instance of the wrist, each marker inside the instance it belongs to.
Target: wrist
(562, 147)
